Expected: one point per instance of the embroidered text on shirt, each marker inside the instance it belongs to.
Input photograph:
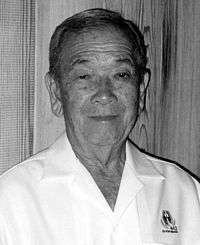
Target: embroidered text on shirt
(168, 222)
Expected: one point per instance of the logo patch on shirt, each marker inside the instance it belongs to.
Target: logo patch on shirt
(168, 222)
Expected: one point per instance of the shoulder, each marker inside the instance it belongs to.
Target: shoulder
(148, 164)
(170, 168)
(175, 174)
(23, 175)
(177, 178)
(27, 176)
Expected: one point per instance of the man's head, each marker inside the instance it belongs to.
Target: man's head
(96, 75)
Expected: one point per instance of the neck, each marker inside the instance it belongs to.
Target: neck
(104, 163)
(99, 156)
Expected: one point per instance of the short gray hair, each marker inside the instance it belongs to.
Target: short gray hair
(95, 18)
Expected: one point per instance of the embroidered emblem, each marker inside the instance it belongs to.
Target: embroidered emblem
(168, 222)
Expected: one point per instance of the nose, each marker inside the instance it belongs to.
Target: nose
(103, 97)
(104, 94)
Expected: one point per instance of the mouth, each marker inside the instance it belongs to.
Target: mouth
(103, 118)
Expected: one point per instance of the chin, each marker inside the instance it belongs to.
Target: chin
(107, 133)
(104, 138)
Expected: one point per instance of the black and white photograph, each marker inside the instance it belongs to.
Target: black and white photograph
(99, 122)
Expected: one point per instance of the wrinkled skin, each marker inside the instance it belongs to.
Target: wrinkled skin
(99, 92)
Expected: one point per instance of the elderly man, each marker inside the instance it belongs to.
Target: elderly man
(93, 186)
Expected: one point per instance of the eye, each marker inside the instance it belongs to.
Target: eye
(84, 77)
(122, 75)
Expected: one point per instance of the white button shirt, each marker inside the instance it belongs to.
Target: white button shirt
(52, 199)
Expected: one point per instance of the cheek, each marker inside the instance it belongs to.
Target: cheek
(73, 103)
(131, 97)
(131, 100)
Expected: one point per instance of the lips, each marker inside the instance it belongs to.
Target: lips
(104, 118)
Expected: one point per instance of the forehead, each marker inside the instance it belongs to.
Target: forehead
(91, 43)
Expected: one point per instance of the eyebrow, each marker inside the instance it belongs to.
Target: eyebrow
(125, 60)
(79, 62)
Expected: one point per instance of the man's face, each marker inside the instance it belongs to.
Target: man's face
(99, 86)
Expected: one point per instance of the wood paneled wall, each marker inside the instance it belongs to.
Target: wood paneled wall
(17, 47)
(170, 124)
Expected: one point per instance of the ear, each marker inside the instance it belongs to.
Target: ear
(143, 87)
(54, 94)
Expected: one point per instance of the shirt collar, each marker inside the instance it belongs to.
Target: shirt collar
(138, 172)
(62, 162)
(141, 163)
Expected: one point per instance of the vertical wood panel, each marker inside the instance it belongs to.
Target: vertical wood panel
(149, 18)
(181, 104)
(170, 127)
(16, 81)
